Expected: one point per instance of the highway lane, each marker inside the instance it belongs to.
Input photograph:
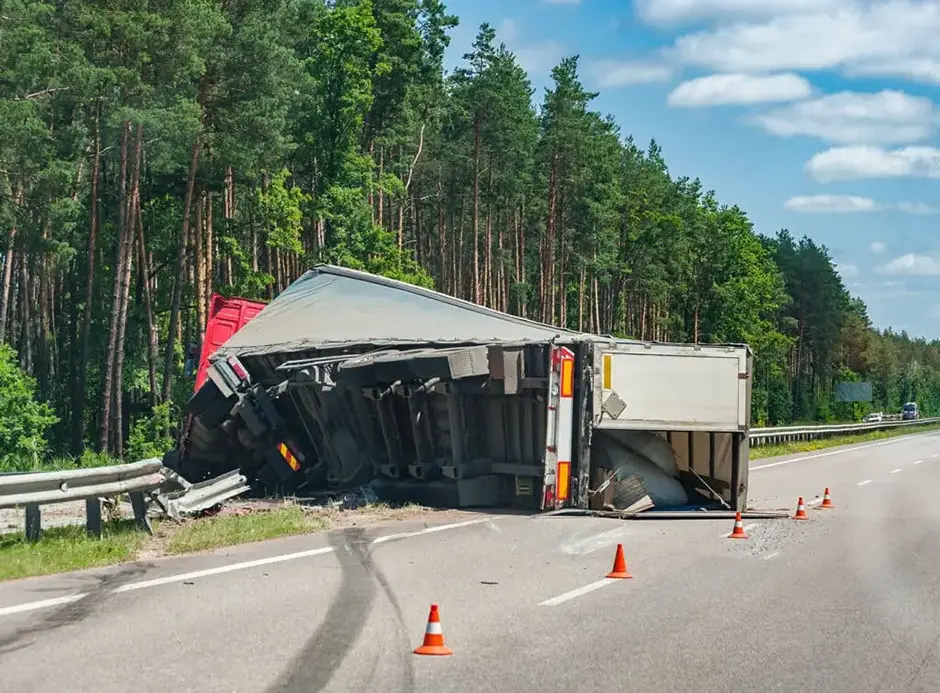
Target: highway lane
(848, 600)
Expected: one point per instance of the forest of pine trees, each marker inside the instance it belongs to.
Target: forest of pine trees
(156, 151)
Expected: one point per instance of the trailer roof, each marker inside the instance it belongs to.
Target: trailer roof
(331, 307)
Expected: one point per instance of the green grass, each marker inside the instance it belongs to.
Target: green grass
(226, 530)
(823, 443)
(61, 549)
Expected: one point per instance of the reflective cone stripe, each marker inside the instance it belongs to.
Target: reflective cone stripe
(434, 636)
(827, 501)
(620, 566)
(800, 511)
(738, 532)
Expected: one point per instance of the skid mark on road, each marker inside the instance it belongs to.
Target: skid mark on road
(220, 570)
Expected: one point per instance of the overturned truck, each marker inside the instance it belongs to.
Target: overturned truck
(348, 379)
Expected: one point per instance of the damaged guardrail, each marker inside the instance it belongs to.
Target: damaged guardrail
(145, 482)
(786, 434)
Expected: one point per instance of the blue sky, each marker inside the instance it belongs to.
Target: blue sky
(812, 115)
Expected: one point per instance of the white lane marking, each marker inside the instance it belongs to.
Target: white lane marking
(232, 567)
(899, 439)
(895, 471)
(863, 483)
(574, 594)
(918, 462)
(430, 530)
(936, 454)
(747, 528)
(770, 555)
(815, 501)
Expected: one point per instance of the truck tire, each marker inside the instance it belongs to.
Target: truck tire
(204, 398)
(216, 413)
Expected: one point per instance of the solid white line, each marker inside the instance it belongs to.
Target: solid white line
(863, 483)
(574, 594)
(918, 462)
(899, 439)
(232, 567)
(44, 604)
(895, 471)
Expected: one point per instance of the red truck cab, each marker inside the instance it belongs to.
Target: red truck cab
(226, 317)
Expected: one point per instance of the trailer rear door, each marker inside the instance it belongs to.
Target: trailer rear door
(662, 387)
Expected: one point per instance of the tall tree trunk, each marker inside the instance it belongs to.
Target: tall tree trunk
(180, 275)
(477, 289)
(8, 266)
(210, 253)
(143, 269)
(199, 285)
(130, 223)
(107, 388)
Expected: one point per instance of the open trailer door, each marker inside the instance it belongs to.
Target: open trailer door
(696, 397)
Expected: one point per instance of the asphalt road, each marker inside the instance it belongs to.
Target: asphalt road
(849, 601)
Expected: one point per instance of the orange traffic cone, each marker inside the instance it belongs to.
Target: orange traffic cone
(800, 511)
(738, 532)
(620, 565)
(434, 636)
(827, 501)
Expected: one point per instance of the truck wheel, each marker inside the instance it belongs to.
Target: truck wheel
(205, 397)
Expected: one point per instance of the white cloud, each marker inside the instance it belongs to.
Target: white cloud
(885, 117)
(878, 247)
(843, 163)
(669, 11)
(912, 264)
(725, 89)
(918, 69)
(847, 271)
(537, 57)
(917, 208)
(614, 73)
(895, 35)
(831, 203)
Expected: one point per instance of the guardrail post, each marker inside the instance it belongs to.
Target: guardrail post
(33, 523)
(93, 517)
(140, 511)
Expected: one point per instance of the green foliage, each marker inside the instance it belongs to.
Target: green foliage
(152, 436)
(23, 421)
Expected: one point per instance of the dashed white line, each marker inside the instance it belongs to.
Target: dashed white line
(815, 501)
(770, 555)
(936, 454)
(899, 439)
(919, 462)
(581, 591)
(232, 567)
(895, 471)
(863, 483)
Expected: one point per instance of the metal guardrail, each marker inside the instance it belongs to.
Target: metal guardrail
(786, 434)
(142, 481)
(31, 490)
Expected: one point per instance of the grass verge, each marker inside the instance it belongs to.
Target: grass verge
(62, 549)
(227, 530)
(823, 443)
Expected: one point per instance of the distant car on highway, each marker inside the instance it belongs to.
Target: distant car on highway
(874, 417)
(909, 411)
